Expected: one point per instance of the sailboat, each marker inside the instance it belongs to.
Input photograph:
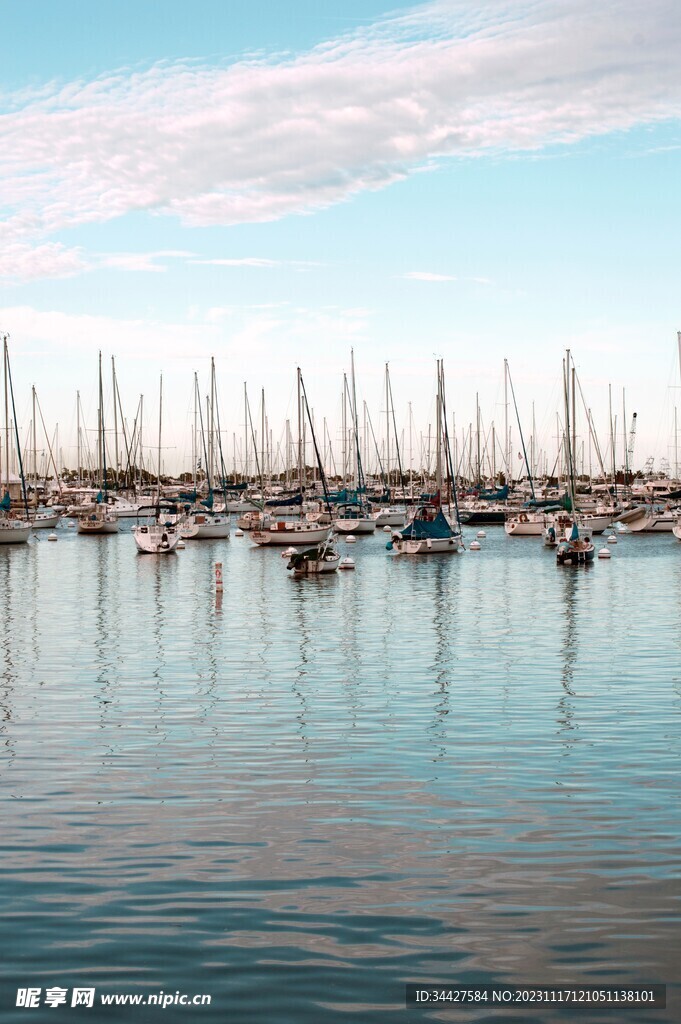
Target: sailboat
(202, 523)
(297, 531)
(353, 517)
(430, 531)
(12, 531)
(577, 548)
(101, 520)
(160, 536)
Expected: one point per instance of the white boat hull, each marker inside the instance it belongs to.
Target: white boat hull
(529, 527)
(45, 520)
(202, 527)
(314, 567)
(653, 522)
(677, 529)
(431, 546)
(155, 540)
(97, 524)
(354, 526)
(14, 531)
(391, 517)
(291, 533)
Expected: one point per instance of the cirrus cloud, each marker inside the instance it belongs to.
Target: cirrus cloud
(263, 138)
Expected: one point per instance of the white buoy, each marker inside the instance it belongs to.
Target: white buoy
(481, 533)
(289, 551)
(71, 524)
(347, 563)
(474, 546)
(604, 553)
(350, 539)
(387, 529)
(53, 536)
(180, 545)
(238, 533)
(612, 539)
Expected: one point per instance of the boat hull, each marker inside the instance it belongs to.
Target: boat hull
(14, 532)
(429, 546)
(97, 526)
(207, 528)
(524, 528)
(45, 520)
(354, 526)
(291, 533)
(155, 540)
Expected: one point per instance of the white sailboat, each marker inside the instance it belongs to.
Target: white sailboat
(100, 520)
(354, 517)
(201, 522)
(12, 531)
(293, 531)
(159, 537)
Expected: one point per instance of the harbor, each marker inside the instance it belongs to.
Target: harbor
(340, 512)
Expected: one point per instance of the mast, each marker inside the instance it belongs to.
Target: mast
(245, 476)
(115, 388)
(438, 429)
(35, 449)
(507, 442)
(387, 425)
(4, 355)
(300, 440)
(160, 424)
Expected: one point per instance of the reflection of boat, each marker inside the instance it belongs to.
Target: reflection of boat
(322, 558)
(576, 549)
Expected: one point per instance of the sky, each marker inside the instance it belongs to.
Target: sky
(274, 184)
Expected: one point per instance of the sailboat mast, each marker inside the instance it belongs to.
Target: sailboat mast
(300, 440)
(438, 431)
(78, 455)
(4, 355)
(35, 449)
(160, 424)
(115, 388)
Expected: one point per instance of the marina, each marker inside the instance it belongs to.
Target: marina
(340, 512)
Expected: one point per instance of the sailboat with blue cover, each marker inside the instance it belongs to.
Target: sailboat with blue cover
(431, 530)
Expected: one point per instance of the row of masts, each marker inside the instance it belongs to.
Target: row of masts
(481, 454)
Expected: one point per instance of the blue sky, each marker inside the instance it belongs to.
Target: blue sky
(274, 183)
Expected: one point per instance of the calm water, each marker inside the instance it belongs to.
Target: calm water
(456, 769)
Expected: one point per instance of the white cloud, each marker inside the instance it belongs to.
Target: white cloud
(264, 138)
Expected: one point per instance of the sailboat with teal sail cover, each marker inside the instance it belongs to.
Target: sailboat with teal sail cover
(432, 530)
